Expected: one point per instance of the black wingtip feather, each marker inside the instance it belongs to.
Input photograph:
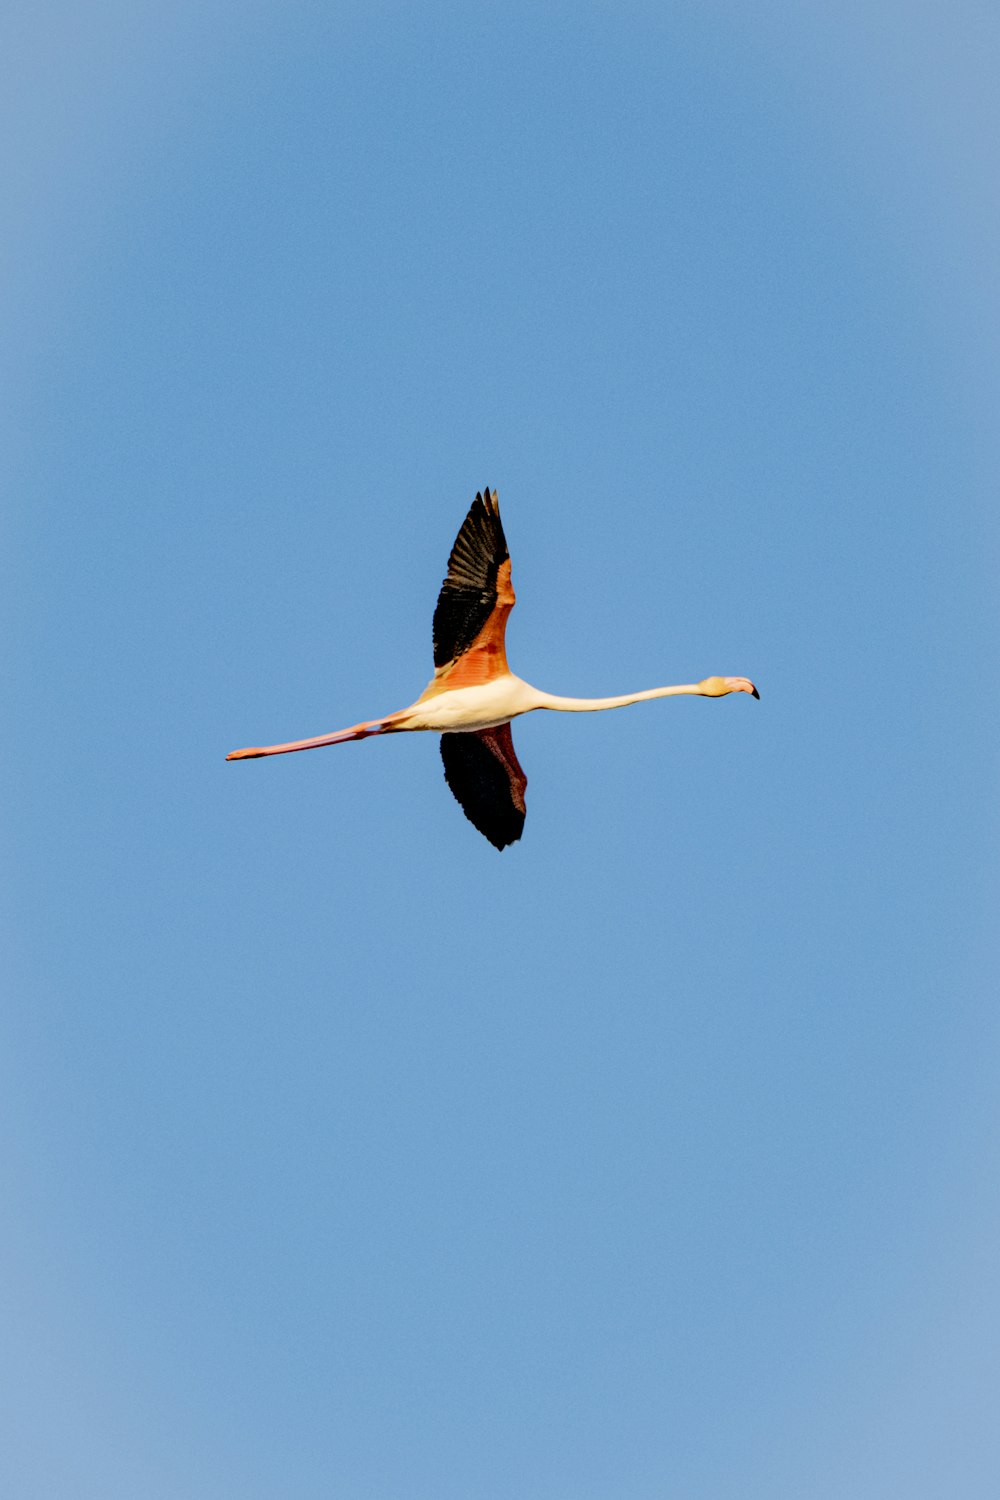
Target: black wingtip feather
(481, 786)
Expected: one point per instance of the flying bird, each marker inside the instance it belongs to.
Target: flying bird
(474, 695)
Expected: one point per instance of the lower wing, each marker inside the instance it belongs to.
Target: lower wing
(483, 772)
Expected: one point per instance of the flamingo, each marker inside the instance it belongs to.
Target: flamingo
(474, 695)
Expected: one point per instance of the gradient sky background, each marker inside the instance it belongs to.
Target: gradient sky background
(657, 1156)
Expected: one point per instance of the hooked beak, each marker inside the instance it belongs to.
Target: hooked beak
(741, 685)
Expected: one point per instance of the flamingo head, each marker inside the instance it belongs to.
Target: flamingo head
(719, 687)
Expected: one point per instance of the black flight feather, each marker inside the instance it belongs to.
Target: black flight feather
(483, 773)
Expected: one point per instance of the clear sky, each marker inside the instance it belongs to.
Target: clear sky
(657, 1157)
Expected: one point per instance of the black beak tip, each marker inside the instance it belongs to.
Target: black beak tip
(756, 694)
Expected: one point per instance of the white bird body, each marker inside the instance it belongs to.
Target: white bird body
(474, 695)
(482, 706)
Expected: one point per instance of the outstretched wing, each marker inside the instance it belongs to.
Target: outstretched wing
(476, 597)
(483, 772)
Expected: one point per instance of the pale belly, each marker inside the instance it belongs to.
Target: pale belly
(471, 708)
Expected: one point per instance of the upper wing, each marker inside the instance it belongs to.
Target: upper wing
(483, 772)
(476, 597)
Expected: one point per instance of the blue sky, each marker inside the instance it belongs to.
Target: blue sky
(656, 1157)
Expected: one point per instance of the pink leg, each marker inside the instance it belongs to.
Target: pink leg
(356, 732)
